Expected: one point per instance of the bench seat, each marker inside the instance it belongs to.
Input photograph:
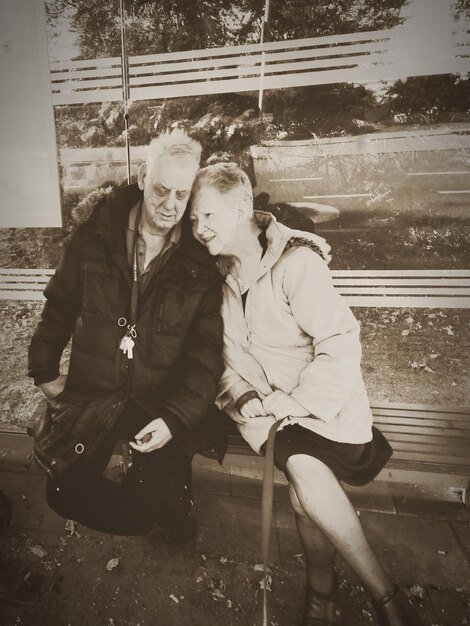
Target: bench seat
(431, 445)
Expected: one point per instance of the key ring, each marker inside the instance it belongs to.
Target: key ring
(122, 322)
(132, 331)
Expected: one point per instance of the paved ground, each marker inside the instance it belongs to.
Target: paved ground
(54, 573)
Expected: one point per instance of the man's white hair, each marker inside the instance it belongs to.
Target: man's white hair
(226, 177)
(175, 143)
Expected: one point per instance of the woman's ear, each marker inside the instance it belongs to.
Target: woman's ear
(141, 176)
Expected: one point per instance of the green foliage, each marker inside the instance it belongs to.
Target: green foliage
(462, 9)
(429, 99)
(229, 123)
(223, 124)
(153, 27)
(72, 124)
(294, 19)
(172, 25)
(321, 110)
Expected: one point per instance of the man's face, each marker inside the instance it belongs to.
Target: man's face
(167, 187)
(215, 219)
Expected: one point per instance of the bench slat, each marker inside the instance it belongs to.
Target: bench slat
(21, 295)
(431, 458)
(408, 302)
(380, 281)
(449, 440)
(423, 430)
(27, 271)
(422, 408)
(438, 468)
(439, 413)
(419, 412)
(444, 424)
(15, 286)
(429, 449)
(20, 280)
(405, 273)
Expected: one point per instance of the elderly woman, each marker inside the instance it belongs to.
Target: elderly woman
(292, 353)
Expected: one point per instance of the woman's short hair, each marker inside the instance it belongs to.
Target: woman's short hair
(175, 143)
(226, 177)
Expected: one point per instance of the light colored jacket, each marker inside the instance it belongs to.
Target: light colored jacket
(296, 334)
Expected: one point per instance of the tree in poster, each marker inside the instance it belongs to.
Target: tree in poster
(172, 25)
(429, 99)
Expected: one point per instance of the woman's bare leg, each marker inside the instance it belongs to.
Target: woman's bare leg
(319, 551)
(321, 500)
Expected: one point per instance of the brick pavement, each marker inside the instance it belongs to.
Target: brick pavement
(53, 574)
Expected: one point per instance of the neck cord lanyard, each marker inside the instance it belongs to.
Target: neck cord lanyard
(127, 342)
(135, 268)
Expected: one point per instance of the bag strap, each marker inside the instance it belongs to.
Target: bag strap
(266, 510)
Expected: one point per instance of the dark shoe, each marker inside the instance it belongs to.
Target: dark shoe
(395, 610)
(321, 609)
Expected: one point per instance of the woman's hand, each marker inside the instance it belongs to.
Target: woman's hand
(252, 408)
(282, 405)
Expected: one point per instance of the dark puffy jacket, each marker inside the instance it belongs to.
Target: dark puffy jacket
(177, 357)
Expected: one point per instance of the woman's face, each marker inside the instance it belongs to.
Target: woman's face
(215, 219)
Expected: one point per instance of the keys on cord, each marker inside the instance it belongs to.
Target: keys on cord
(127, 346)
(127, 342)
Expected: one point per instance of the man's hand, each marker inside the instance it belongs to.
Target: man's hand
(152, 437)
(252, 408)
(282, 405)
(54, 387)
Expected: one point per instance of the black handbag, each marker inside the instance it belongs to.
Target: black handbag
(68, 426)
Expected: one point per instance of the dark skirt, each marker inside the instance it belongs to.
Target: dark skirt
(353, 463)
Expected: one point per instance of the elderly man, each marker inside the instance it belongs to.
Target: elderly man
(141, 299)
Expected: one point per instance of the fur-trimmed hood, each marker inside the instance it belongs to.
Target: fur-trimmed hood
(83, 210)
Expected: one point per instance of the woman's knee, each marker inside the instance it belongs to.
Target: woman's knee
(302, 467)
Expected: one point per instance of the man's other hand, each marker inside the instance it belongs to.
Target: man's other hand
(152, 437)
(54, 387)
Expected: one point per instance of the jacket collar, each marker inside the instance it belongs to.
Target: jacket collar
(278, 236)
(112, 214)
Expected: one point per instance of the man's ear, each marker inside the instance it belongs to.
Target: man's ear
(141, 176)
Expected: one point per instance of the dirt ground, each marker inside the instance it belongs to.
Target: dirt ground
(409, 355)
